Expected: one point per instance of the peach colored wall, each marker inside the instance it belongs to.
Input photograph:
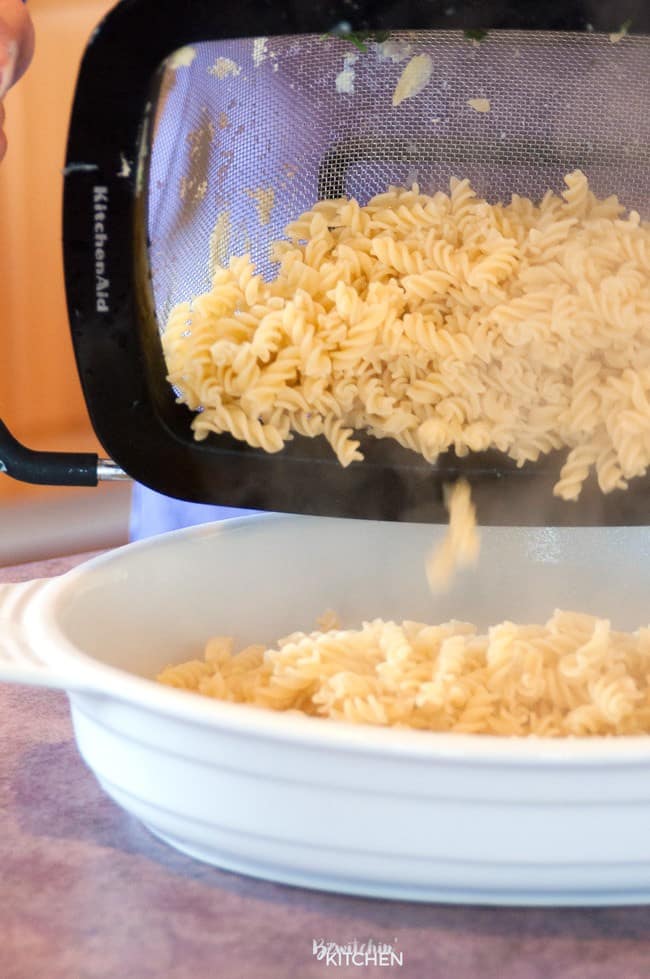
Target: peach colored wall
(40, 396)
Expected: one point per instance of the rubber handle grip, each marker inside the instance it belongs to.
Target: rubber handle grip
(45, 468)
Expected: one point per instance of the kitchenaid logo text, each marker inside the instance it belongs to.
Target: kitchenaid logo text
(102, 284)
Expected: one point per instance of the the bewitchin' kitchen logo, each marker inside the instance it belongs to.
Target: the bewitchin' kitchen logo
(363, 954)
(100, 237)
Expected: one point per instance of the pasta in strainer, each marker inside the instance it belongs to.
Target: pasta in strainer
(443, 322)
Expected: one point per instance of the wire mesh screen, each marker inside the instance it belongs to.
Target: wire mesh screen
(250, 133)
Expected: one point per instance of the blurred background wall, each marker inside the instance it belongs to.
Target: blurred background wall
(40, 395)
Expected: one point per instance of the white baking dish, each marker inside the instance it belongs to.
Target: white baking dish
(390, 813)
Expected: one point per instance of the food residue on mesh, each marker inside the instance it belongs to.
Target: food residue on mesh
(412, 177)
(413, 79)
(622, 32)
(220, 243)
(224, 68)
(479, 105)
(222, 120)
(194, 184)
(264, 198)
(345, 78)
(182, 58)
(394, 51)
(227, 156)
(260, 52)
(192, 190)
(125, 167)
(143, 154)
(290, 170)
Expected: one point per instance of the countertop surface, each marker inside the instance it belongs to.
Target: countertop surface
(85, 891)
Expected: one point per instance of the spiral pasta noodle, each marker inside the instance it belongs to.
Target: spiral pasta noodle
(573, 676)
(460, 546)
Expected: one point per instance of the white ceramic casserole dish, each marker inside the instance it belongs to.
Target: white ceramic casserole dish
(364, 810)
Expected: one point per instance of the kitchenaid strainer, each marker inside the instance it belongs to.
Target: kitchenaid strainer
(192, 142)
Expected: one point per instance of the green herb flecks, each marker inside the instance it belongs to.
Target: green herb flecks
(475, 34)
(358, 38)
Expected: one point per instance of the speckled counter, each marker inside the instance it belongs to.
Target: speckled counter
(85, 892)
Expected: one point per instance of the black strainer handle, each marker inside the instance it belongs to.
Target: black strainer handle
(53, 468)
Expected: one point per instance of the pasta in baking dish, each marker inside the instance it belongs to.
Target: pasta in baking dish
(573, 676)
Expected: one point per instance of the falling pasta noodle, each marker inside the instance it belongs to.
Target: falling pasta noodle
(573, 676)
(460, 546)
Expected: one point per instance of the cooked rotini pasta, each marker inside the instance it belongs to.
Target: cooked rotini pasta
(441, 321)
(459, 548)
(573, 676)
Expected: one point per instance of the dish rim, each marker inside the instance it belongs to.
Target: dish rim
(45, 633)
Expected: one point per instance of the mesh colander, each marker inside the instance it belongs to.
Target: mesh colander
(198, 135)
(293, 120)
